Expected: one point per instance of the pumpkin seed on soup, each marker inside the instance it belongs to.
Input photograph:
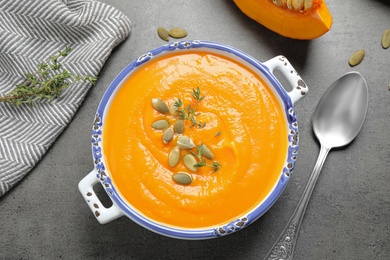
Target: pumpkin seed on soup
(179, 126)
(160, 124)
(177, 33)
(189, 161)
(174, 156)
(173, 110)
(160, 105)
(386, 39)
(182, 178)
(168, 135)
(356, 57)
(185, 143)
(163, 33)
(206, 152)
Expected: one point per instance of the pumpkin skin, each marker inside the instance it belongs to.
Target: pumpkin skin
(302, 25)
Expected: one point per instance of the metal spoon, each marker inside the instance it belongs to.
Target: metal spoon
(338, 119)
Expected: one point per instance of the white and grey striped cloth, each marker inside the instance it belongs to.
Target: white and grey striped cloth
(30, 32)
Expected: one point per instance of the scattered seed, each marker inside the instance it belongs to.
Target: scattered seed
(174, 156)
(177, 33)
(160, 124)
(179, 126)
(356, 57)
(386, 39)
(182, 178)
(163, 33)
(159, 105)
(184, 142)
(189, 161)
(218, 133)
(206, 152)
(168, 135)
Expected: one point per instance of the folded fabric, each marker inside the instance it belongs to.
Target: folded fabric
(30, 32)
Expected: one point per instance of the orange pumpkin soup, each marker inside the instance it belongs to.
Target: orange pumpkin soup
(244, 127)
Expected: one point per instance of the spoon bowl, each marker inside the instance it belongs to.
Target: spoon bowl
(341, 111)
(338, 119)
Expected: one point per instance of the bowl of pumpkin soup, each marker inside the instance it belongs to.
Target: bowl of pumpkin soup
(194, 140)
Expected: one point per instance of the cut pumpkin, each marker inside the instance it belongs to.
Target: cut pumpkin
(297, 19)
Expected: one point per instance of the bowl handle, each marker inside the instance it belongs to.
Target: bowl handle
(102, 214)
(299, 87)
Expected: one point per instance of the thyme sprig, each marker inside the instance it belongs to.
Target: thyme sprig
(202, 161)
(189, 112)
(47, 82)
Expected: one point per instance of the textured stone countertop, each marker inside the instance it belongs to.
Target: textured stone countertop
(45, 217)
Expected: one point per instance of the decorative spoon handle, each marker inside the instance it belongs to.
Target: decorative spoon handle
(285, 245)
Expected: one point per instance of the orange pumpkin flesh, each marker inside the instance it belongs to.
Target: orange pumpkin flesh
(304, 25)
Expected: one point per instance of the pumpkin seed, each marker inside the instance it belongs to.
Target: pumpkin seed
(218, 133)
(298, 4)
(163, 33)
(177, 33)
(159, 105)
(356, 57)
(386, 39)
(182, 178)
(174, 156)
(308, 4)
(160, 124)
(179, 126)
(189, 161)
(173, 110)
(184, 142)
(206, 152)
(168, 135)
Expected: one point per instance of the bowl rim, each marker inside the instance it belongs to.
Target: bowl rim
(208, 232)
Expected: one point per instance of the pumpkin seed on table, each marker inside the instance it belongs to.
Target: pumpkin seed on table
(160, 105)
(177, 33)
(168, 135)
(189, 162)
(163, 33)
(160, 124)
(174, 156)
(386, 39)
(182, 178)
(356, 57)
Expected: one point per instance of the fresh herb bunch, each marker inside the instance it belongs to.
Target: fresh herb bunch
(202, 161)
(47, 82)
(189, 112)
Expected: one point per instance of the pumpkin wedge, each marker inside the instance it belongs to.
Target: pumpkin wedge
(296, 19)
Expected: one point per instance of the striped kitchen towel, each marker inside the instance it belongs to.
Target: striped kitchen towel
(30, 32)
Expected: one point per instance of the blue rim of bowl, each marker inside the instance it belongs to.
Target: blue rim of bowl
(209, 232)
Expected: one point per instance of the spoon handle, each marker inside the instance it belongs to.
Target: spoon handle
(285, 245)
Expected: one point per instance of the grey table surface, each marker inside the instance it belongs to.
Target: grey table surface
(45, 217)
